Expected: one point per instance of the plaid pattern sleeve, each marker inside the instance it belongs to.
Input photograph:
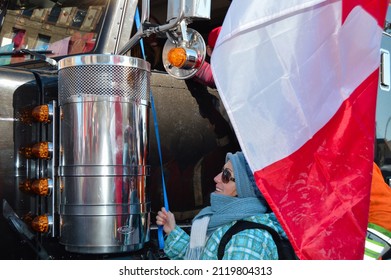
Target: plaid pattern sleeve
(176, 244)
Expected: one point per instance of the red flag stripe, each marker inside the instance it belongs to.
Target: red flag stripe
(345, 176)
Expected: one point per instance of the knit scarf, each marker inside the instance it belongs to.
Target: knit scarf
(224, 209)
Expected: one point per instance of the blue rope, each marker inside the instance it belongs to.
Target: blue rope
(165, 199)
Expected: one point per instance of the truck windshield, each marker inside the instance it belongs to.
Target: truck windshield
(49, 29)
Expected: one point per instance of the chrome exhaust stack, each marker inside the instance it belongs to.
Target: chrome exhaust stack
(104, 148)
(104, 136)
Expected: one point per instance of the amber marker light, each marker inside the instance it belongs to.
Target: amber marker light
(177, 57)
(42, 186)
(40, 224)
(42, 150)
(183, 57)
(41, 113)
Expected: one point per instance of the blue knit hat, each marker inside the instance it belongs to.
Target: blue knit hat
(244, 178)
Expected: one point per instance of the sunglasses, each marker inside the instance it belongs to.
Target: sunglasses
(226, 176)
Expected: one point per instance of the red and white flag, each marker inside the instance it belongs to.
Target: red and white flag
(299, 80)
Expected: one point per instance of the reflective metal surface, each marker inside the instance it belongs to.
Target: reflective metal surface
(104, 151)
(193, 9)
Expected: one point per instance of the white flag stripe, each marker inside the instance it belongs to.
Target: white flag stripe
(281, 56)
(259, 16)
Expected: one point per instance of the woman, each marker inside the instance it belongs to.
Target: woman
(236, 198)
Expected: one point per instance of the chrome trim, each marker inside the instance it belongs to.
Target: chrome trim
(104, 59)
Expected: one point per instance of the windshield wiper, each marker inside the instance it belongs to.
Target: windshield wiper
(23, 52)
(40, 55)
(36, 53)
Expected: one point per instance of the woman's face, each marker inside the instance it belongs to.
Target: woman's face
(228, 187)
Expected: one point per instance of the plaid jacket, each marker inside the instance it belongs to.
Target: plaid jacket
(250, 244)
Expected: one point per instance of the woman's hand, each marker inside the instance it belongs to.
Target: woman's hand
(166, 219)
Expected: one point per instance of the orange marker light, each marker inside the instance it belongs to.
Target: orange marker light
(40, 224)
(177, 57)
(42, 150)
(41, 186)
(41, 113)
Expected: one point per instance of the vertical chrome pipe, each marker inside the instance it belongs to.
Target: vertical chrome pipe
(103, 167)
